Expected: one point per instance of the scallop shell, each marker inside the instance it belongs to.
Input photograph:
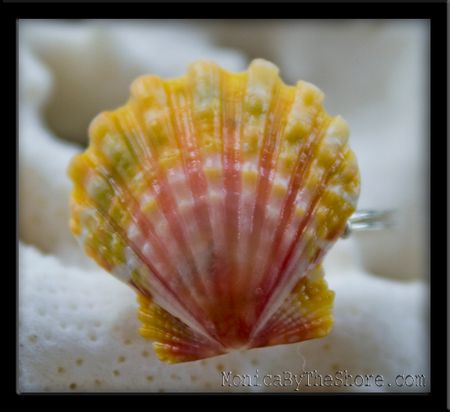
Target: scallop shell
(216, 196)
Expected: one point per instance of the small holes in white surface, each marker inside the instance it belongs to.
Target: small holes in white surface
(174, 377)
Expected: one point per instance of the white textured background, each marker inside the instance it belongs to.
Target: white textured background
(78, 326)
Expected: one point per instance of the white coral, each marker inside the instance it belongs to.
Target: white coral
(78, 326)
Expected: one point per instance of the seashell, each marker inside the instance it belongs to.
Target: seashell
(216, 196)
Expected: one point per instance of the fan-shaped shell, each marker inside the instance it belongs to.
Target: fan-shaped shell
(216, 196)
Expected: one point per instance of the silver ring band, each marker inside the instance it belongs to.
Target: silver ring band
(368, 219)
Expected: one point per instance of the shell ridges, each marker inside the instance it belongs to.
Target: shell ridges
(216, 195)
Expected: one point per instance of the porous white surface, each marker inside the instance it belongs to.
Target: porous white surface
(77, 324)
(79, 332)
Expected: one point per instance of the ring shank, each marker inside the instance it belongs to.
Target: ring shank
(369, 219)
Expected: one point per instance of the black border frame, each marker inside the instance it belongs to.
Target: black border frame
(436, 13)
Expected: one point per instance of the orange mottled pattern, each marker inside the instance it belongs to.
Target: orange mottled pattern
(218, 195)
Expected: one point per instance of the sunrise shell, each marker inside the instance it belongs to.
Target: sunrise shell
(216, 196)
